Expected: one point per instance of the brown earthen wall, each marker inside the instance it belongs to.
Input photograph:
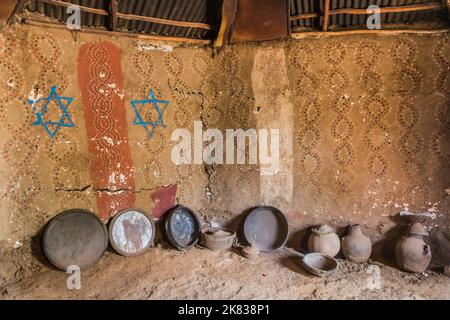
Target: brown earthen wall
(363, 120)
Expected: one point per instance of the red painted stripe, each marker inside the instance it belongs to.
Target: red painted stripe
(101, 83)
(164, 199)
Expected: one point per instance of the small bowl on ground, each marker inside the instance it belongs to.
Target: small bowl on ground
(218, 238)
(319, 264)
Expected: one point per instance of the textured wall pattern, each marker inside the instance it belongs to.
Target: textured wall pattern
(364, 124)
(372, 126)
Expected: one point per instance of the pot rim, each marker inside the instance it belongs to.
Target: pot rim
(212, 235)
(316, 231)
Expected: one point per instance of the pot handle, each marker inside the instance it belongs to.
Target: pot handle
(426, 249)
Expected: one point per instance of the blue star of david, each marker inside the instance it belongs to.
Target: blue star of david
(159, 105)
(52, 127)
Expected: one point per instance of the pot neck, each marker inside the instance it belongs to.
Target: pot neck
(356, 228)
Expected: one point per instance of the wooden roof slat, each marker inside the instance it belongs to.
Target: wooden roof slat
(82, 8)
(129, 16)
(390, 9)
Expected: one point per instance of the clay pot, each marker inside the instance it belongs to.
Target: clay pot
(324, 240)
(356, 247)
(218, 238)
(411, 252)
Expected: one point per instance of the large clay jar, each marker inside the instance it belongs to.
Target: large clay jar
(356, 246)
(324, 240)
(411, 252)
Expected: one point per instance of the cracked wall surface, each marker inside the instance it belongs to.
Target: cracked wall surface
(364, 127)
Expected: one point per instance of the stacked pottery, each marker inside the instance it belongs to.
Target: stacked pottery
(324, 240)
(356, 247)
(411, 252)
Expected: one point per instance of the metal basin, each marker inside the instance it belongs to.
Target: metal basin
(266, 228)
(75, 237)
(131, 232)
(182, 227)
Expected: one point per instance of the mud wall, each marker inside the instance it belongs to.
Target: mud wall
(363, 120)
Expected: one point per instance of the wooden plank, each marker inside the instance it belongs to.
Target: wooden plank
(390, 9)
(320, 34)
(447, 4)
(304, 16)
(229, 9)
(260, 20)
(326, 15)
(7, 9)
(186, 24)
(114, 10)
(82, 8)
(118, 34)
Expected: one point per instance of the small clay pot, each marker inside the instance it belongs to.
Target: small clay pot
(356, 247)
(324, 240)
(411, 252)
(218, 238)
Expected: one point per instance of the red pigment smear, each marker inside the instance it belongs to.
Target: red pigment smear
(101, 83)
(164, 199)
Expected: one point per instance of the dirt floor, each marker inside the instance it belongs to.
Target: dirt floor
(163, 273)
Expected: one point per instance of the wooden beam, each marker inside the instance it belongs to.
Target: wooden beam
(7, 9)
(82, 8)
(320, 34)
(304, 16)
(326, 15)
(113, 7)
(390, 9)
(229, 9)
(117, 34)
(176, 23)
(447, 4)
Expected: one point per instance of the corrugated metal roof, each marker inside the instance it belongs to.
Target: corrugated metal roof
(346, 20)
(204, 11)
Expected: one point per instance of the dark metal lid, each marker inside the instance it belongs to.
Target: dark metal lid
(266, 228)
(75, 237)
(131, 232)
(182, 227)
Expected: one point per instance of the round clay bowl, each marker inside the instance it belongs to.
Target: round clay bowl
(319, 264)
(218, 238)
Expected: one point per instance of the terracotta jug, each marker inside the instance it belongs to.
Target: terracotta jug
(324, 240)
(411, 252)
(356, 246)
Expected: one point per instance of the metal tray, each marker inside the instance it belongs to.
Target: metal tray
(131, 232)
(75, 237)
(266, 227)
(182, 227)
